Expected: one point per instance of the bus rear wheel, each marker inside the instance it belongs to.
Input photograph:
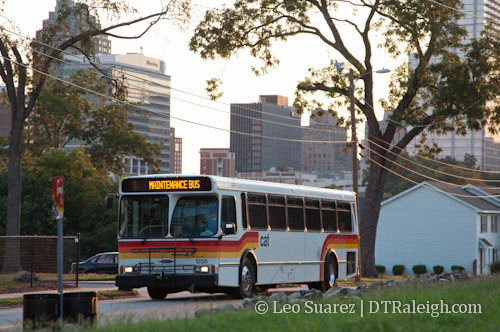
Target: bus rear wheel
(157, 293)
(246, 280)
(331, 269)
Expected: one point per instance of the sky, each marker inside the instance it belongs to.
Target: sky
(189, 72)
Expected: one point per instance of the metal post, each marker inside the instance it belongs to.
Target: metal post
(355, 172)
(78, 260)
(60, 238)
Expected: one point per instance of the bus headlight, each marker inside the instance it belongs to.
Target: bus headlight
(129, 269)
(201, 269)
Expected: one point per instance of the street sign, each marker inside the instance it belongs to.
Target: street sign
(58, 196)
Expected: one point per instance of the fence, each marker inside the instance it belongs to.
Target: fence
(38, 254)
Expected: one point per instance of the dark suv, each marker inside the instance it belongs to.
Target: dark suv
(101, 263)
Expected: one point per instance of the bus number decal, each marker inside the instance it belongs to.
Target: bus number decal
(264, 241)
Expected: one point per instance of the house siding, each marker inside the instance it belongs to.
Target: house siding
(426, 227)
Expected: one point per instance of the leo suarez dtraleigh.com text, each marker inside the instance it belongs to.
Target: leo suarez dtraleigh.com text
(363, 308)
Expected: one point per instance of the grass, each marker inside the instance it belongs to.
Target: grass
(480, 291)
(47, 281)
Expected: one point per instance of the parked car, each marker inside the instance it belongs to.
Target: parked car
(106, 262)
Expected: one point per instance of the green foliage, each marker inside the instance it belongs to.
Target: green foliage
(438, 269)
(65, 112)
(419, 269)
(495, 267)
(398, 270)
(457, 267)
(380, 269)
(84, 190)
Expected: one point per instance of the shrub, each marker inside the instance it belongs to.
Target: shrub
(398, 270)
(457, 267)
(495, 267)
(419, 269)
(380, 269)
(438, 269)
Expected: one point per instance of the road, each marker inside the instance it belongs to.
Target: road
(183, 304)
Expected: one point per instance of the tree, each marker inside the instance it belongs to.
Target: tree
(440, 96)
(24, 89)
(85, 187)
(67, 112)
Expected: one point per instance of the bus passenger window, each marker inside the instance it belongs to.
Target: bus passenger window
(313, 218)
(257, 212)
(295, 208)
(329, 216)
(277, 213)
(244, 210)
(344, 215)
(228, 212)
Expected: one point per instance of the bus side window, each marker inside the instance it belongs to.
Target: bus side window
(244, 210)
(295, 209)
(313, 218)
(228, 212)
(257, 211)
(329, 216)
(277, 213)
(344, 216)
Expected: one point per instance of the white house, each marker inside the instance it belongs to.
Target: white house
(434, 223)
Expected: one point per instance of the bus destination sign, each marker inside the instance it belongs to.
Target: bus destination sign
(166, 184)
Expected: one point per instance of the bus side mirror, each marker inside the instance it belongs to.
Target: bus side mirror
(229, 228)
(108, 201)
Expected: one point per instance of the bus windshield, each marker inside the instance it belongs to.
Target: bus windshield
(195, 217)
(143, 216)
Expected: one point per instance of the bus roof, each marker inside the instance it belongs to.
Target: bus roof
(259, 186)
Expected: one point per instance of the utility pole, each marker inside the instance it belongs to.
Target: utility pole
(354, 142)
(354, 138)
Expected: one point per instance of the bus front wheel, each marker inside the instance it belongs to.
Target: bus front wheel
(246, 280)
(157, 293)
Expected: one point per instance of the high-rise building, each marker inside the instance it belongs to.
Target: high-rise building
(148, 88)
(325, 157)
(266, 134)
(75, 25)
(484, 146)
(217, 162)
(175, 153)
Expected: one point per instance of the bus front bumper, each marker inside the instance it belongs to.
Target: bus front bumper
(178, 281)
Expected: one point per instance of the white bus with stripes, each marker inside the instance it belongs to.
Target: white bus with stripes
(262, 234)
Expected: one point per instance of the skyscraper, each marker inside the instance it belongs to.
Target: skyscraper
(484, 146)
(75, 25)
(265, 134)
(324, 157)
(149, 88)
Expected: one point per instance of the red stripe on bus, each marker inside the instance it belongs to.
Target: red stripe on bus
(200, 245)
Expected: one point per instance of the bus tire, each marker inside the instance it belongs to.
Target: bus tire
(157, 293)
(331, 270)
(246, 280)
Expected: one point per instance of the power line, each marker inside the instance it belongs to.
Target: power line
(426, 167)
(174, 89)
(415, 172)
(417, 183)
(159, 113)
(437, 161)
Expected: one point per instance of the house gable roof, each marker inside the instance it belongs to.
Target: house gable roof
(460, 194)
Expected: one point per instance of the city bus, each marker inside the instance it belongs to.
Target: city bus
(216, 234)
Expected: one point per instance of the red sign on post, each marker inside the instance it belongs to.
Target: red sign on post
(58, 196)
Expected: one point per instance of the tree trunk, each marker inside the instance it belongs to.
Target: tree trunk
(368, 226)
(12, 258)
